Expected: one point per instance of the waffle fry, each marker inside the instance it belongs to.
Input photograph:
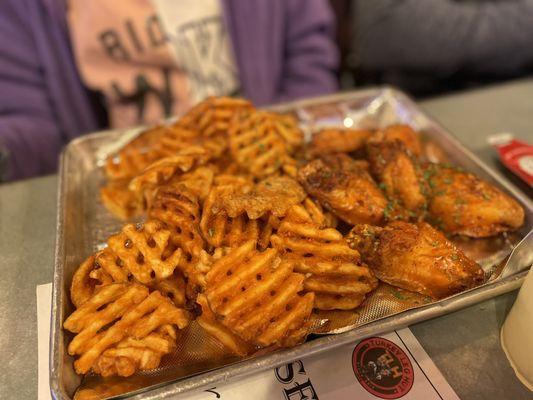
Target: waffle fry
(217, 228)
(119, 200)
(262, 142)
(324, 219)
(255, 295)
(198, 181)
(83, 286)
(273, 195)
(212, 116)
(175, 139)
(131, 355)
(134, 156)
(146, 251)
(178, 207)
(117, 312)
(163, 170)
(173, 287)
(208, 321)
(333, 271)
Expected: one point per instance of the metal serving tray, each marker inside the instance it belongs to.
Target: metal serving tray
(83, 224)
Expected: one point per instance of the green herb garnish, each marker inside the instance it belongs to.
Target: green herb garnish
(398, 295)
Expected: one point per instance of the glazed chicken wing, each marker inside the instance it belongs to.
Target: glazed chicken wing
(415, 257)
(399, 176)
(338, 140)
(461, 203)
(403, 133)
(341, 185)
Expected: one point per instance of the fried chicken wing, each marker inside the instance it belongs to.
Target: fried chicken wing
(338, 140)
(415, 257)
(404, 134)
(342, 186)
(461, 203)
(399, 175)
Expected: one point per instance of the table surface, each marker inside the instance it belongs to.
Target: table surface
(464, 345)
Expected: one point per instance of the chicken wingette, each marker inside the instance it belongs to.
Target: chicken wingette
(338, 140)
(343, 186)
(461, 203)
(400, 177)
(415, 257)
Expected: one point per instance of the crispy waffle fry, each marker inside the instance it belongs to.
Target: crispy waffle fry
(131, 355)
(117, 312)
(163, 170)
(333, 270)
(255, 295)
(173, 287)
(273, 195)
(324, 219)
(261, 142)
(134, 156)
(146, 251)
(216, 227)
(119, 200)
(178, 207)
(208, 321)
(212, 116)
(173, 140)
(83, 286)
(198, 181)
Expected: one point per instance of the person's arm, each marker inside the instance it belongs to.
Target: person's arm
(444, 35)
(28, 130)
(311, 57)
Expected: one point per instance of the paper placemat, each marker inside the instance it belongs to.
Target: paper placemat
(390, 366)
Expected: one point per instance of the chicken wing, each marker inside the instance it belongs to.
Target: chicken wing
(341, 185)
(415, 257)
(403, 133)
(461, 203)
(399, 175)
(338, 140)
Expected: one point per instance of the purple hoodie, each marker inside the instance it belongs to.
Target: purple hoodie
(284, 50)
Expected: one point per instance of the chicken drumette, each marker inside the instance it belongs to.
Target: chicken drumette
(415, 257)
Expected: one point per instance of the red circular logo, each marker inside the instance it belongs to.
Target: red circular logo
(382, 368)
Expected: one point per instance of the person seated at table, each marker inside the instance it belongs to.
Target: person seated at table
(431, 46)
(69, 67)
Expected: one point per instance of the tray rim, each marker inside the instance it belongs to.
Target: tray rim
(316, 346)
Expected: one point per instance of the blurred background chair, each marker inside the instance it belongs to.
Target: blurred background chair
(432, 47)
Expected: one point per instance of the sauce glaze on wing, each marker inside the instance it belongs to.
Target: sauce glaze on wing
(341, 185)
(415, 257)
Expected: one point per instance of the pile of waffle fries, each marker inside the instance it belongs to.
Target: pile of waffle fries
(231, 237)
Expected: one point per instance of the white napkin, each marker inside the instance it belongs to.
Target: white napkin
(394, 364)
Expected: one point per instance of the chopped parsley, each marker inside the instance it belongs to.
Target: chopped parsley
(211, 232)
(398, 295)
(382, 186)
(486, 196)
(454, 257)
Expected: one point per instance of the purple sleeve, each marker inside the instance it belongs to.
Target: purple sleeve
(28, 130)
(311, 57)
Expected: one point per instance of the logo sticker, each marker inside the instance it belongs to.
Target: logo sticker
(382, 368)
